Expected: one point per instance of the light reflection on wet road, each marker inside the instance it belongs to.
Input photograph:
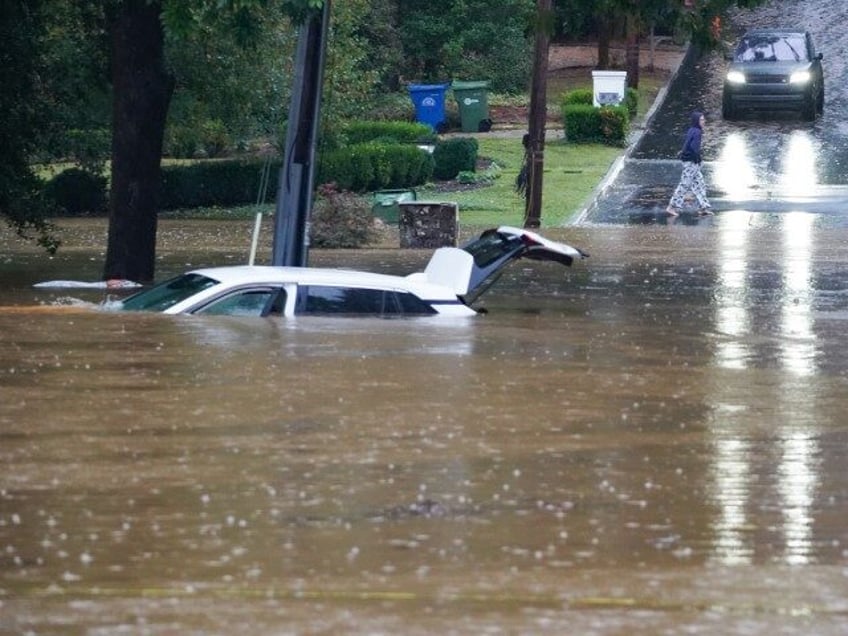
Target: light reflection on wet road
(651, 442)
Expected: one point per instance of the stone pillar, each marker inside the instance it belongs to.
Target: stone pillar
(428, 224)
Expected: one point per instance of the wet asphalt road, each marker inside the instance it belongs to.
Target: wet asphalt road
(764, 164)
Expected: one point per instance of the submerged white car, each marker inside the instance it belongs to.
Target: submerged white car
(452, 280)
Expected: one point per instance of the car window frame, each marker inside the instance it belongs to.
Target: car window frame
(391, 305)
(201, 308)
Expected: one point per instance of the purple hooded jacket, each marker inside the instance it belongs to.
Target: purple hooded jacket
(692, 144)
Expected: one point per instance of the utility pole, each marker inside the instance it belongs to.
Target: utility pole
(538, 116)
(297, 176)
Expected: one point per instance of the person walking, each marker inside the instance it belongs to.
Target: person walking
(691, 180)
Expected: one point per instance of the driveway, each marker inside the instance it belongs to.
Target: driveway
(764, 164)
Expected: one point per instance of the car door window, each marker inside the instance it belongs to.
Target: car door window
(251, 302)
(325, 299)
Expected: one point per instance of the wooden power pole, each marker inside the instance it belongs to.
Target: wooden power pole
(538, 116)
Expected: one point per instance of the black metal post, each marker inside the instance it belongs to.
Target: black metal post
(297, 176)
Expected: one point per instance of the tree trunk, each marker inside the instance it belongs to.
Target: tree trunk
(604, 36)
(632, 50)
(142, 92)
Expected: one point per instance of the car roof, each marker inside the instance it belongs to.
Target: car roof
(236, 275)
(243, 274)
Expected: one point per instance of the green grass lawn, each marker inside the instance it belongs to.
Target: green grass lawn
(571, 173)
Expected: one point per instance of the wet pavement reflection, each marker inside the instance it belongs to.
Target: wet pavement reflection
(651, 442)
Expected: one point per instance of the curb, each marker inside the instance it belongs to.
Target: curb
(635, 137)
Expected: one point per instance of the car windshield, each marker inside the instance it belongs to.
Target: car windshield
(167, 294)
(772, 48)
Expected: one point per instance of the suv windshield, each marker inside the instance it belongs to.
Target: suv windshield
(788, 47)
(167, 294)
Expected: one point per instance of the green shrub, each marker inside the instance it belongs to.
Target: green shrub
(341, 219)
(77, 192)
(197, 138)
(182, 142)
(452, 156)
(212, 183)
(215, 139)
(228, 182)
(579, 96)
(90, 147)
(388, 131)
(586, 96)
(395, 106)
(615, 122)
(631, 101)
(587, 124)
(374, 166)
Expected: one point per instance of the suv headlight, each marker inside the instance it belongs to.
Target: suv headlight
(736, 77)
(800, 77)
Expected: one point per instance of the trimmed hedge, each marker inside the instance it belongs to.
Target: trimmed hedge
(452, 156)
(358, 168)
(579, 96)
(375, 166)
(400, 132)
(587, 96)
(587, 124)
(213, 183)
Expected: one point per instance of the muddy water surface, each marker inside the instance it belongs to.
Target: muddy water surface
(652, 442)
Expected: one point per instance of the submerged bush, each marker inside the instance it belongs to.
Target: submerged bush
(341, 219)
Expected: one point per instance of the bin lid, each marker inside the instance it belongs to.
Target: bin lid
(390, 197)
(459, 85)
(428, 87)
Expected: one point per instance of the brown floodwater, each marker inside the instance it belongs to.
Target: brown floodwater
(652, 442)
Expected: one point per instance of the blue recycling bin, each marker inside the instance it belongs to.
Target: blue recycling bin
(429, 103)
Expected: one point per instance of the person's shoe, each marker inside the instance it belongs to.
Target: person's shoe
(671, 211)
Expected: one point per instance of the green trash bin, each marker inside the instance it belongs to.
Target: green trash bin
(385, 204)
(473, 101)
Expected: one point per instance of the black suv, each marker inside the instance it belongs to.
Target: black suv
(774, 69)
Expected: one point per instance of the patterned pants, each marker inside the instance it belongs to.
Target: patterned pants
(690, 181)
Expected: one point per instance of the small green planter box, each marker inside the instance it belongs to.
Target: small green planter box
(385, 204)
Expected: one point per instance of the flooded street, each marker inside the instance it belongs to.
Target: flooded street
(651, 442)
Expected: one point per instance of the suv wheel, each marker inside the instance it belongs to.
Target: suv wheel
(810, 108)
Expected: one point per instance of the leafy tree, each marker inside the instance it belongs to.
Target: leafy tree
(473, 39)
(142, 89)
(631, 17)
(21, 106)
(75, 84)
(379, 32)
